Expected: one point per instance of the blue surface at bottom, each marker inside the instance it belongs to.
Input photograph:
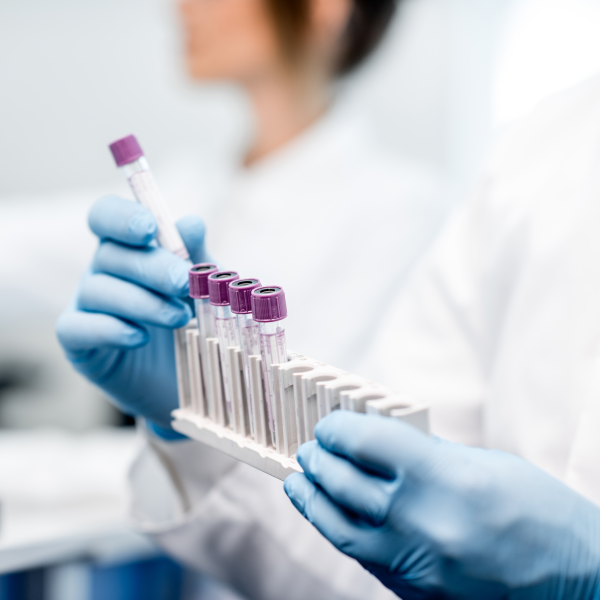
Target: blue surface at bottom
(22, 585)
(154, 579)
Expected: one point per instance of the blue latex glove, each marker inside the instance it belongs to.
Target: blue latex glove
(432, 519)
(118, 332)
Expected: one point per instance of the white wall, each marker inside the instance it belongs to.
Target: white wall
(548, 46)
(77, 74)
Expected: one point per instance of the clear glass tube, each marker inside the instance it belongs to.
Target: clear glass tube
(250, 345)
(273, 351)
(227, 332)
(206, 329)
(146, 191)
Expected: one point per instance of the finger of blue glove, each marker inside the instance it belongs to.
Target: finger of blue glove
(382, 444)
(153, 268)
(355, 538)
(106, 294)
(123, 221)
(82, 331)
(193, 231)
(365, 494)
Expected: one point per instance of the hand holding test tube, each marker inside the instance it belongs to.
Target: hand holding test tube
(130, 158)
(225, 324)
(117, 332)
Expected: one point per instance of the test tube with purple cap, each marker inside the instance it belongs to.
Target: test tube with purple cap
(240, 297)
(270, 311)
(227, 333)
(198, 275)
(130, 158)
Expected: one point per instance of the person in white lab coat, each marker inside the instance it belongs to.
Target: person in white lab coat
(314, 182)
(500, 332)
(312, 176)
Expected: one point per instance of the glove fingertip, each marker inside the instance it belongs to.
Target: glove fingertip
(193, 231)
(326, 428)
(179, 279)
(289, 483)
(143, 228)
(132, 337)
(61, 328)
(294, 488)
(177, 316)
(122, 220)
(304, 453)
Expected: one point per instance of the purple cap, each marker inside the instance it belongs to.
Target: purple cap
(218, 287)
(240, 293)
(268, 304)
(126, 150)
(199, 279)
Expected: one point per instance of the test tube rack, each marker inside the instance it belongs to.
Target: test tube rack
(306, 390)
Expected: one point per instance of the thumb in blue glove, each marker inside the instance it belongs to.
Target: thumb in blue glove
(432, 519)
(118, 331)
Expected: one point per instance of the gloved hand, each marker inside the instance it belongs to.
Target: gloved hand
(118, 331)
(433, 519)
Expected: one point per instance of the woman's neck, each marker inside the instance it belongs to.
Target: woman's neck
(284, 107)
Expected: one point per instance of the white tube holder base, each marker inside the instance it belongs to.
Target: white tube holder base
(305, 389)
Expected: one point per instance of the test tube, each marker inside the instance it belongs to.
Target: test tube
(270, 311)
(227, 332)
(130, 158)
(240, 297)
(206, 323)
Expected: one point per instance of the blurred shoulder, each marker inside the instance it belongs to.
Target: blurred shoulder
(563, 129)
(365, 165)
(340, 161)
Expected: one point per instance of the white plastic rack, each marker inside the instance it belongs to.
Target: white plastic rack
(306, 391)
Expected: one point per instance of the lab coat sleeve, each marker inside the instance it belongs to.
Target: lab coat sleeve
(236, 524)
(446, 338)
(437, 339)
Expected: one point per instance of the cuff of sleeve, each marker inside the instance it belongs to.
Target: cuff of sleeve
(169, 480)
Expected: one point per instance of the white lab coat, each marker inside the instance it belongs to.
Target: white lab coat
(337, 222)
(500, 328)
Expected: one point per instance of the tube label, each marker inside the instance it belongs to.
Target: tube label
(148, 195)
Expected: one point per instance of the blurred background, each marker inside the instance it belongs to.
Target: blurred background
(74, 76)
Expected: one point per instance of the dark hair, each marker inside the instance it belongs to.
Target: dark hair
(368, 22)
